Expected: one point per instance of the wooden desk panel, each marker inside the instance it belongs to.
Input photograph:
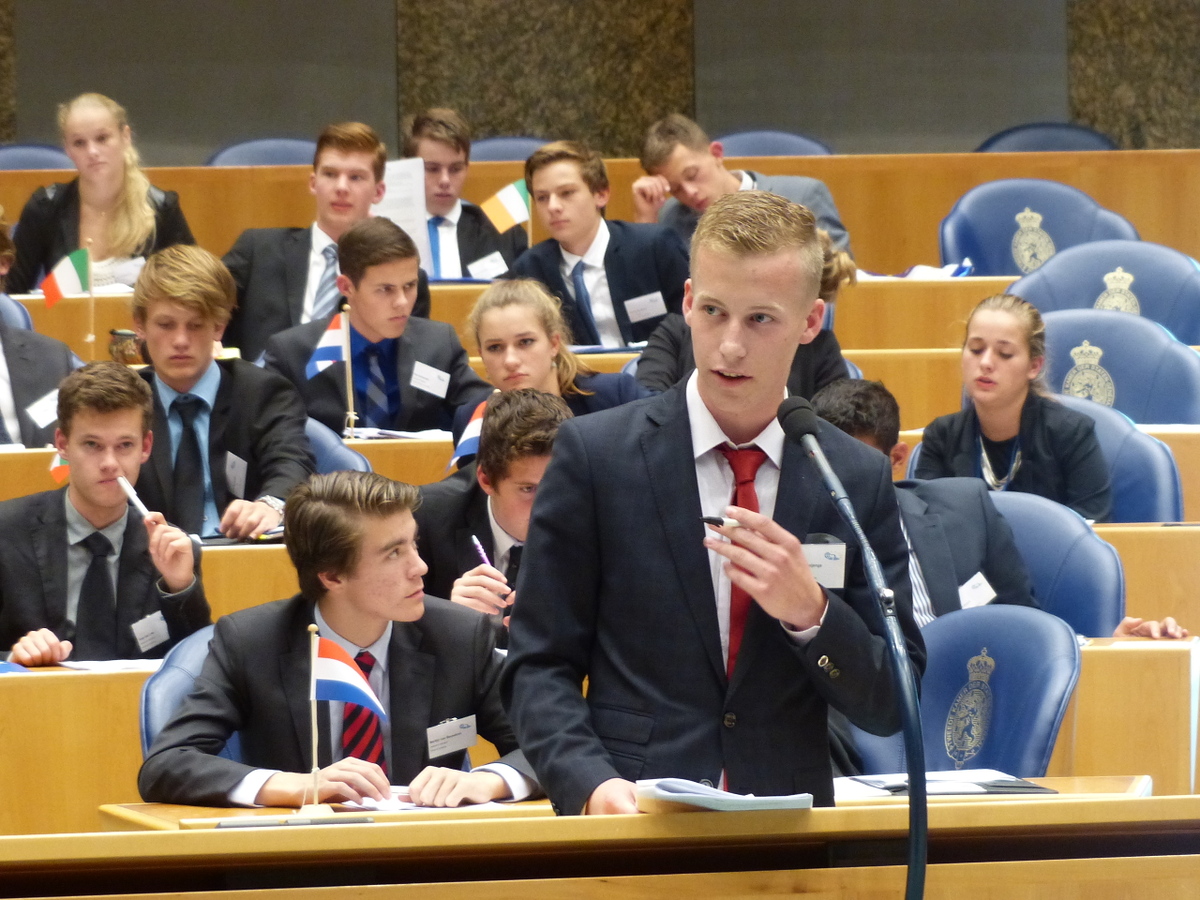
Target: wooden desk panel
(1184, 441)
(238, 577)
(1162, 570)
(452, 303)
(926, 383)
(410, 460)
(899, 314)
(25, 472)
(67, 321)
(600, 362)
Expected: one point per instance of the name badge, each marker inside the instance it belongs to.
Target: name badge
(976, 592)
(235, 475)
(44, 410)
(647, 306)
(828, 563)
(430, 380)
(487, 267)
(451, 736)
(150, 631)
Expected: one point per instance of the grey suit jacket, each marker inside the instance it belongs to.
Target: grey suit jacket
(36, 365)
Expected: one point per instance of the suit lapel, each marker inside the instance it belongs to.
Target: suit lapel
(160, 466)
(49, 536)
(22, 374)
(478, 525)
(295, 267)
(218, 422)
(617, 271)
(410, 683)
(135, 575)
(929, 543)
(406, 357)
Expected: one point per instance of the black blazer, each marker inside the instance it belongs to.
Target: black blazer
(451, 511)
(33, 579)
(424, 340)
(36, 365)
(640, 259)
(49, 229)
(478, 237)
(270, 267)
(255, 682)
(258, 417)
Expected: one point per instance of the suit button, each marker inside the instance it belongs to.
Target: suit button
(823, 662)
(706, 782)
(730, 720)
(834, 673)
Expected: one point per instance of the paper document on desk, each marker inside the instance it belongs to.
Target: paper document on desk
(400, 801)
(962, 781)
(113, 665)
(680, 795)
(372, 434)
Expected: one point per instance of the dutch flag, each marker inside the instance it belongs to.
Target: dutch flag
(468, 444)
(330, 348)
(336, 677)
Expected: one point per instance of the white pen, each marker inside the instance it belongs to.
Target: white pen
(721, 521)
(132, 495)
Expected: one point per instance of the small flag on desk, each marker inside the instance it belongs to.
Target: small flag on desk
(468, 444)
(60, 469)
(70, 276)
(338, 678)
(507, 207)
(330, 348)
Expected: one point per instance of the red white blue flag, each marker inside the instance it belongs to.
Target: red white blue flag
(336, 677)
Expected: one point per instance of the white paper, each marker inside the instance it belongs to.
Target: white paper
(113, 665)
(372, 434)
(404, 202)
(399, 801)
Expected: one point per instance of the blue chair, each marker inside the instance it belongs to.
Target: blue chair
(14, 314)
(266, 152)
(1137, 277)
(1123, 361)
(989, 224)
(331, 451)
(1076, 575)
(630, 367)
(1039, 136)
(771, 143)
(14, 157)
(505, 149)
(1145, 479)
(1016, 665)
(164, 691)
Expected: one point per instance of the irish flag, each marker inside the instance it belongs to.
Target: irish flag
(337, 677)
(508, 207)
(330, 348)
(70, 276)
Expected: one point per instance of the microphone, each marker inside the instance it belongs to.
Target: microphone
(800, 424)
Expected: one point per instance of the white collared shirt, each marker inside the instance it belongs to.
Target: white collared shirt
(595, 279)
(448, 256)
(502, 541)
(316, 268)
(8, 404)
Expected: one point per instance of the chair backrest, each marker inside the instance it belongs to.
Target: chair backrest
(1037, 136)
(33, 156)
(1123, 361)
(14, 314)
(629, 367)
(331, 451)
(505, 149)
(1145, 479)
(1076, 574)
(164, 691)
(1137, 277)
(266, 152)
(996, 687)
(771, 143)
(1012, 226)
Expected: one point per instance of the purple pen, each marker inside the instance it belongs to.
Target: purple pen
(479, 549)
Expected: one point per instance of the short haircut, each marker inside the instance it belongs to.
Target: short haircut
(861, 409)
(103, 387)
(590, 162)
(372, 241)
(517, 424)
(437, 124)
(666, 134)
(188, 276)
(751, 223)
(323, 521)
(353, 137)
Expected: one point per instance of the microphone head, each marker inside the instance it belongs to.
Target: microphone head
(798, 418)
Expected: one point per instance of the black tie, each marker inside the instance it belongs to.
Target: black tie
(189, 471)
(5, 437)
(514, 565)
(96, 617)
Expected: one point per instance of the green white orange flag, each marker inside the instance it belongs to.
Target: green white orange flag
(60, 470)
(69, 277)
(508, 207)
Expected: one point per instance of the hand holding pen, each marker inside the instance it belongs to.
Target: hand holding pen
(484, 587)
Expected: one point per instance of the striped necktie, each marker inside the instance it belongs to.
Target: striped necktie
(376, 412)
(327, 293)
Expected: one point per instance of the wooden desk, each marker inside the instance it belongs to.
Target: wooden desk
(600, 362)
(899, 313)
(67, 321)
(24, 472)
(238, 577)
(452, 303)
(926, 383)
(1162, 570)
(413, 461)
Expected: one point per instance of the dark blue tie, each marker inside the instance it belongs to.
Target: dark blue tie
(188, 487)
(584, 302)
(377, 414)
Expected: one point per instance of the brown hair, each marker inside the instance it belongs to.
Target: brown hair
(323, 521)
(839, 268)
(189, 276)
(8, 250)
(517, 424)
(132, 224)
(372, 241)
(547, 309)
(1032, 327)
(859, 408)
(437, 124)
(666, 134)
(352, 137)
(103, 387)
(590, 162)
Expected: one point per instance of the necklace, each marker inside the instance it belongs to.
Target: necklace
(994, 483)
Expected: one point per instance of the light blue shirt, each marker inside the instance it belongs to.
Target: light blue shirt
(206, 389)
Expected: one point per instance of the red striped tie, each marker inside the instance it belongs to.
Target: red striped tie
(745, 465)
(362, 735)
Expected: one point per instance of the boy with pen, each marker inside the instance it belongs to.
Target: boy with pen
(82, 574)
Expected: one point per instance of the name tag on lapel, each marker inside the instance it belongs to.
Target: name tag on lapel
(451, 736)
(490, 266)
(44, 410)
(150, 631)
(826, 557)
(235, 475)
(430, 380)
(976, 592)
(645, 307)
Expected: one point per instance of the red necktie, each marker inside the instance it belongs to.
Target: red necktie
(362, 735)
(745, 465)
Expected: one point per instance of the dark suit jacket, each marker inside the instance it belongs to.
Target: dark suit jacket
(270, 266)
(956, 532)
(49, 230)
(451, 511)
(36, 365)
(258, 417)
(615, 585)
(255, 682)
(478, 237)
(433, 343)
(640, 259)
(33, 579)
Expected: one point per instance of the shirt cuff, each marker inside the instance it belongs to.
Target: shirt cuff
(802, 637)
(245, 792)
(520, 785)
(162, 588)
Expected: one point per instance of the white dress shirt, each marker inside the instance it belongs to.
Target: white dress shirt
(595, 279)
(316, 268)
(448, 256)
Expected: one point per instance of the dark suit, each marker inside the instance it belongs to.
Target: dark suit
(477, 237)
(36, 365)
(426, 341)
(270, 266)
(33, 579)
(257, 417)
(615, 585)
(451, 511)
(640, 259)
(255, 682)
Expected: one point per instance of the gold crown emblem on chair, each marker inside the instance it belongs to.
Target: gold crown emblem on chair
(1088, 379)
(1031, 246)
(1118, 296)
(971, 712)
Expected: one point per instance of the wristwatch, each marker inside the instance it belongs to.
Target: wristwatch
(274, 502)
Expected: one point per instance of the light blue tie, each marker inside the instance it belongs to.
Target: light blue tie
(435, 244)
(327, 292)
(584, 301)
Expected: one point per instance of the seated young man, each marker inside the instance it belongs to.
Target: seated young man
(686, 173)
(231, 436)
(464, 242)
(287, 276)
(353, 541)
(616, 280)
(82, 575)
(409, 374)
(490, 501)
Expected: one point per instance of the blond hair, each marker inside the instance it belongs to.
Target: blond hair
(190, 277)
(839, 268)
(1033, 329)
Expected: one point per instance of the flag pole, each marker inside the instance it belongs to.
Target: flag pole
(351, 415)
(316, 807)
